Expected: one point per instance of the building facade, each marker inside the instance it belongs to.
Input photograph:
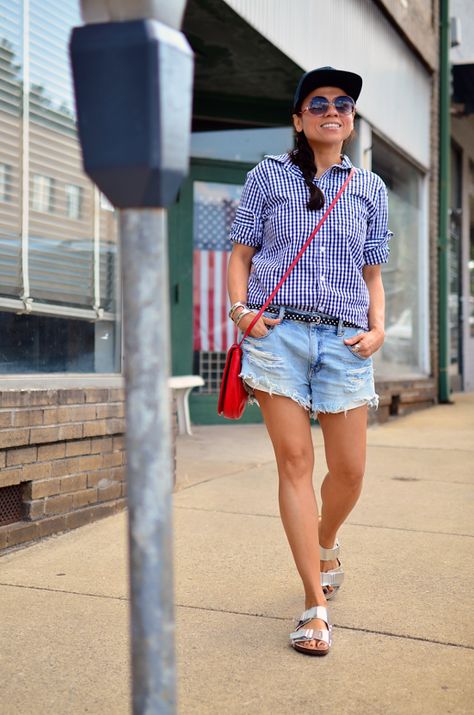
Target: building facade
(243, 94)
(61, 396)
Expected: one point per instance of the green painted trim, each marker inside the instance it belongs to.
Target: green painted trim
(180, 248)
(180, 239)
(444, 200)
(219, 170)
(180, 222)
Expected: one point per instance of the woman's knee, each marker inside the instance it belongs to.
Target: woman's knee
(295, 464)
(350, 476)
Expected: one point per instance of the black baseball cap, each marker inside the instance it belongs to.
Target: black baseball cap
(327, 77)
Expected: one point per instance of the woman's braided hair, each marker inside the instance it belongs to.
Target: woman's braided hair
(302, 155)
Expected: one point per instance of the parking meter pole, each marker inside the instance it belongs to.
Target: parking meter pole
(149, 455)
(132, 71)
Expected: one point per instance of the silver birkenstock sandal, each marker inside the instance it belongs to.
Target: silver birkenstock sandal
(334, 577)
(302, 635)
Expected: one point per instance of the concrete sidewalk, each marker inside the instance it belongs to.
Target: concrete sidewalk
(404, 630)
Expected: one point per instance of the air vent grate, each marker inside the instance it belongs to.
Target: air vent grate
(11, 504)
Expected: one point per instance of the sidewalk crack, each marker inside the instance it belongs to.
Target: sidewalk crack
(62, 590)
(336, 625)
(247, 614)
(347, 523)
(245, 468)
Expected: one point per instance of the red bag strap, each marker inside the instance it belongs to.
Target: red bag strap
(298, 255)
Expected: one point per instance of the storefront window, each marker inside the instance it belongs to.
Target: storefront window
(402, 352)
(214, 207)
(58, 242)
(44, 344)
(455, 269)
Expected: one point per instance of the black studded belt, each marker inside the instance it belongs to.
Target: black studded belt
(317, 318)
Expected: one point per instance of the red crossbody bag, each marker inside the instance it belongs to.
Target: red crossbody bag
(233, 395)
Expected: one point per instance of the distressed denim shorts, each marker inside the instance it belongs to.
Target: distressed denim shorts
(311, 364)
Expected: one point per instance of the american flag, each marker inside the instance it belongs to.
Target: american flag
(213, 216)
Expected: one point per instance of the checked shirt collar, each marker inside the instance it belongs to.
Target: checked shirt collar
(346, 165)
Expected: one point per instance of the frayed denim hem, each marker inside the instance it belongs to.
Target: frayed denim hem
(334, 407)
(260, 383)
(252, 383)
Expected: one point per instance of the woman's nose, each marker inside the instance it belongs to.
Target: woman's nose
(331, 109)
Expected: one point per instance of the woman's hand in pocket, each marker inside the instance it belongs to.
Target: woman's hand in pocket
(260, 329)
(367, 343)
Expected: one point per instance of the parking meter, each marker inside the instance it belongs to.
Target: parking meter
(133, 88)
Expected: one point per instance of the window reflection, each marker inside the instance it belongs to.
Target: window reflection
(51, 92)
(5, 182)
(73, 201)
(45, 344)
(401, 353)
(10, 132)
(64, 273)
(43, 194)
(455, 265)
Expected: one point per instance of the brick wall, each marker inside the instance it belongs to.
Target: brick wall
(66, 449)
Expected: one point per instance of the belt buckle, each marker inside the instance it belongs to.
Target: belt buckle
(317, 319)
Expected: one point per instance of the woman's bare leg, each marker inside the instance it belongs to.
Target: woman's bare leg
(288, 425)
(345, 439)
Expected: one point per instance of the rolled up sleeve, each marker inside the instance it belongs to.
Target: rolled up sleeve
(376, 247)
(247, 227)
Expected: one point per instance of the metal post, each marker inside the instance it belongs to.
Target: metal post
(132, 71)
(150, 468)
(444, 184)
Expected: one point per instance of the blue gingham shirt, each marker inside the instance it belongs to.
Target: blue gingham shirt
(272, 217)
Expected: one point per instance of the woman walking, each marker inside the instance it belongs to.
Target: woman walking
(310, 353)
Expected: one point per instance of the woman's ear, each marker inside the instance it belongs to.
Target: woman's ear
(297, 123)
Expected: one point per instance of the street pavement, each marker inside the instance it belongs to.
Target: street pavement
(403, 620)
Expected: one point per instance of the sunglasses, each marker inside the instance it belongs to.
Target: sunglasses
(318, 106)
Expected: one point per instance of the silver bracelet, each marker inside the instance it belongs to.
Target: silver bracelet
(243, 312)
(234, 307)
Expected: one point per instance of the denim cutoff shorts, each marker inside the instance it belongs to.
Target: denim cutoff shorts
(309, 363)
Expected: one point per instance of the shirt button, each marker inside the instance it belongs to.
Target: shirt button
(322, 278)
(322, 249)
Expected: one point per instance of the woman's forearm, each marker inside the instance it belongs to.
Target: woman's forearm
(377, 306)
(373, 280)
(238, 272)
